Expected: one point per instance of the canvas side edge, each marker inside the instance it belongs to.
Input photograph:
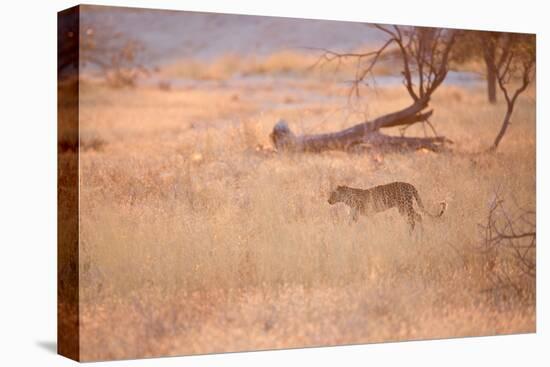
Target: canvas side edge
(68, 320)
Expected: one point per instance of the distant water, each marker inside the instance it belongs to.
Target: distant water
(462, 79)
(465, 79)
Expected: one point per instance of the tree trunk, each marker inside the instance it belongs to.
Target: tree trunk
(504, 126)
(489, 57)
(491, 85)
(365, 134)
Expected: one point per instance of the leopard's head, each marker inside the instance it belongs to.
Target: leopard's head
(338, 195)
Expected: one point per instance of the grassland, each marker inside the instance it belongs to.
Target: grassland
(197, 238)
(303, 63)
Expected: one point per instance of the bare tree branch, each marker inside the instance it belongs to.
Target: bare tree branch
(425, 54)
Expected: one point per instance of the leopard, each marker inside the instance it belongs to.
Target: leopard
(383, 197)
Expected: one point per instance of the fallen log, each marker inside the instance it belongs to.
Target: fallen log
(363, 134)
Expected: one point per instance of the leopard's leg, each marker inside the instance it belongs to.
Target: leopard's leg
(354, 215)
(412, 215)
(418, 219)
(410, 220)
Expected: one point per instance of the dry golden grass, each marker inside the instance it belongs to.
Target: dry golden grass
(194, 241)
(304, 63)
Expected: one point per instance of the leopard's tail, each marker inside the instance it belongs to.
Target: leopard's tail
(442, 209)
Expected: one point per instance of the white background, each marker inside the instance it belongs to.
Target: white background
(28, 182)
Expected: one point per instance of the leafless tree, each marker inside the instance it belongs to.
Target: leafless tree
(514, 67)
(424, 54)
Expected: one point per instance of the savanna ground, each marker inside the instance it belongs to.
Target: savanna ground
(196, 238)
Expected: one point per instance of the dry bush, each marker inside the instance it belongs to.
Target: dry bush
(90, 140)
(115, 55)
(509, 251)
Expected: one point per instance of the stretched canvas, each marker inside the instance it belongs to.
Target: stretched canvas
(235, 183)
